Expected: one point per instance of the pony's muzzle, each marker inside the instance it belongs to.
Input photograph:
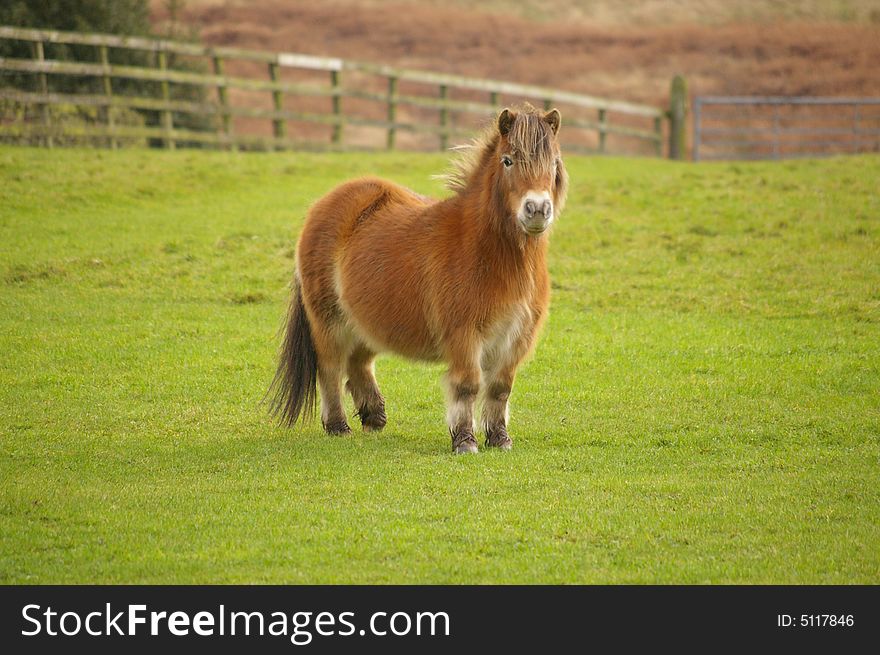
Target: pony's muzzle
(536, 213)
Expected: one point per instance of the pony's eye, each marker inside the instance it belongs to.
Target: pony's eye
(507, 161)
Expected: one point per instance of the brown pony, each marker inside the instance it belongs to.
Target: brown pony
(463, 280)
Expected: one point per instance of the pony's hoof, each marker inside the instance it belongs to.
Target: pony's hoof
(499, 438)
(340, 427)
(463, 443)
(373, 421)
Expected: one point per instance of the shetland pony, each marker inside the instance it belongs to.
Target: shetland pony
(461, 280)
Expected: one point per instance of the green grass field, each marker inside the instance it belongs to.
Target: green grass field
(704, 405)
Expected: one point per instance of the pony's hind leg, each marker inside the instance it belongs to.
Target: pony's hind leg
(332, 352)
(364, 390)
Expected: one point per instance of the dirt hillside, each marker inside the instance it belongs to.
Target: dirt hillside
(632, 62)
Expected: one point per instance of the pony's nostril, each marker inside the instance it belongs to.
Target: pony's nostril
(547, 209)
(530, 208)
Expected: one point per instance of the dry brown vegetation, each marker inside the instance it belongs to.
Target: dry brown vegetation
(619, 50)
(630, 12)
(632, 62)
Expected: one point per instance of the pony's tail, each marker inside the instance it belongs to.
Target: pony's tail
(293, 391)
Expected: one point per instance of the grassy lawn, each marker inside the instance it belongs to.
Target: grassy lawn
(704, 406)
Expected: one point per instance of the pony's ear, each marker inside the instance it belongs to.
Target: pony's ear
(505, 121)
(553, 118)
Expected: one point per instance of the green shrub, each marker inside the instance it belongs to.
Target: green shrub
(121, 17)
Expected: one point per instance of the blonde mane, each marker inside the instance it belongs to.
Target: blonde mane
(531, 142)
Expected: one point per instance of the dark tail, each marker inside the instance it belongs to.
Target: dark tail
(293, 391)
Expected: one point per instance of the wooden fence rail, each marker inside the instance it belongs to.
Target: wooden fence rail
(224, 112)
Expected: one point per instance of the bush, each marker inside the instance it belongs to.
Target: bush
(128, 17)
(122, 17)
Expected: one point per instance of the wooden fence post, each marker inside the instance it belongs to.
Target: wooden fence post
(279, 126)
(658, 130)
(223, 96)
(392, 112)
(856, 117)
(108, 91)
(337, 107)
(603, 129)
(677, 113)
(444, 118)
(43, 82)
(776, 127)
(167, 118)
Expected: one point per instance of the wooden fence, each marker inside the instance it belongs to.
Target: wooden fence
(447, 99)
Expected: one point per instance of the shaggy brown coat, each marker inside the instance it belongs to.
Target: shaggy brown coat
(381, 268)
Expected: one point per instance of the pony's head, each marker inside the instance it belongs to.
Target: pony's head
(530, 180)
(514, 170)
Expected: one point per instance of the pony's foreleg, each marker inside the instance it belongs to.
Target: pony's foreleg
(499, 373)
(495, 409)
(462, 387)
(364, 390)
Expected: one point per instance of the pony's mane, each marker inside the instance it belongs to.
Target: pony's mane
(530, 137)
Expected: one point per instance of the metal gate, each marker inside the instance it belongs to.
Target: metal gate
(770, 127)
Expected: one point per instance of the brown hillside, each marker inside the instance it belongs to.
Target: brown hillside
(634, 63)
